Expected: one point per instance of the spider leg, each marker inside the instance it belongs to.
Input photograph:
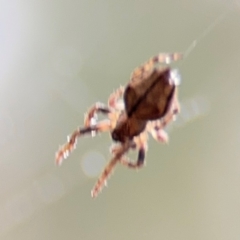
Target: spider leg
(162, 58)
(155, 128)
(141, 144)
(138, 164)
(119, 151)
(64, 150)
(91, 113)
(113, 100)
(166, 58)
(102, 180)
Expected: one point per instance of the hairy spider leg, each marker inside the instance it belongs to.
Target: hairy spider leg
(89, 127)
(138, 164)
(102, 108)
(114, 98)
(102, 180)
(65, 150)
(119, 151)
(161, 58)
(155, 128)
(91, 113)
(141, 144)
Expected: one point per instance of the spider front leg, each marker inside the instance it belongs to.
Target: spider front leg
(141, 144)
(140, 160)
(102, 180)
(64, 150)
(118, 151)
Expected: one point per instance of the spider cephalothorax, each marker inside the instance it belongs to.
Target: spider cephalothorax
(146, 105)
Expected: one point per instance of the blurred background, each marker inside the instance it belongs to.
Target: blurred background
(59, 57)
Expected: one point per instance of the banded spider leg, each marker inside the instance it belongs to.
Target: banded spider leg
(162, 58)
(140, 143)
(105, 125)
(118, 151)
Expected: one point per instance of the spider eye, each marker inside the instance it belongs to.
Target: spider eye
(175, 77)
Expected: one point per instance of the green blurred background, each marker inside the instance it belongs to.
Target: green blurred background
(59, 57)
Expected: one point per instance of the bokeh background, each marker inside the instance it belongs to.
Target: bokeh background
(59, 57)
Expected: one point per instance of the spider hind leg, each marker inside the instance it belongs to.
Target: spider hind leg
(161, 58)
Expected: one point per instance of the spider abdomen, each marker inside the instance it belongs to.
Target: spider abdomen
(149, 98)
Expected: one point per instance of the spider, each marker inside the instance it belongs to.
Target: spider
(146, 105)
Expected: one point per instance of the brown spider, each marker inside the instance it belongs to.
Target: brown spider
(146, 105)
